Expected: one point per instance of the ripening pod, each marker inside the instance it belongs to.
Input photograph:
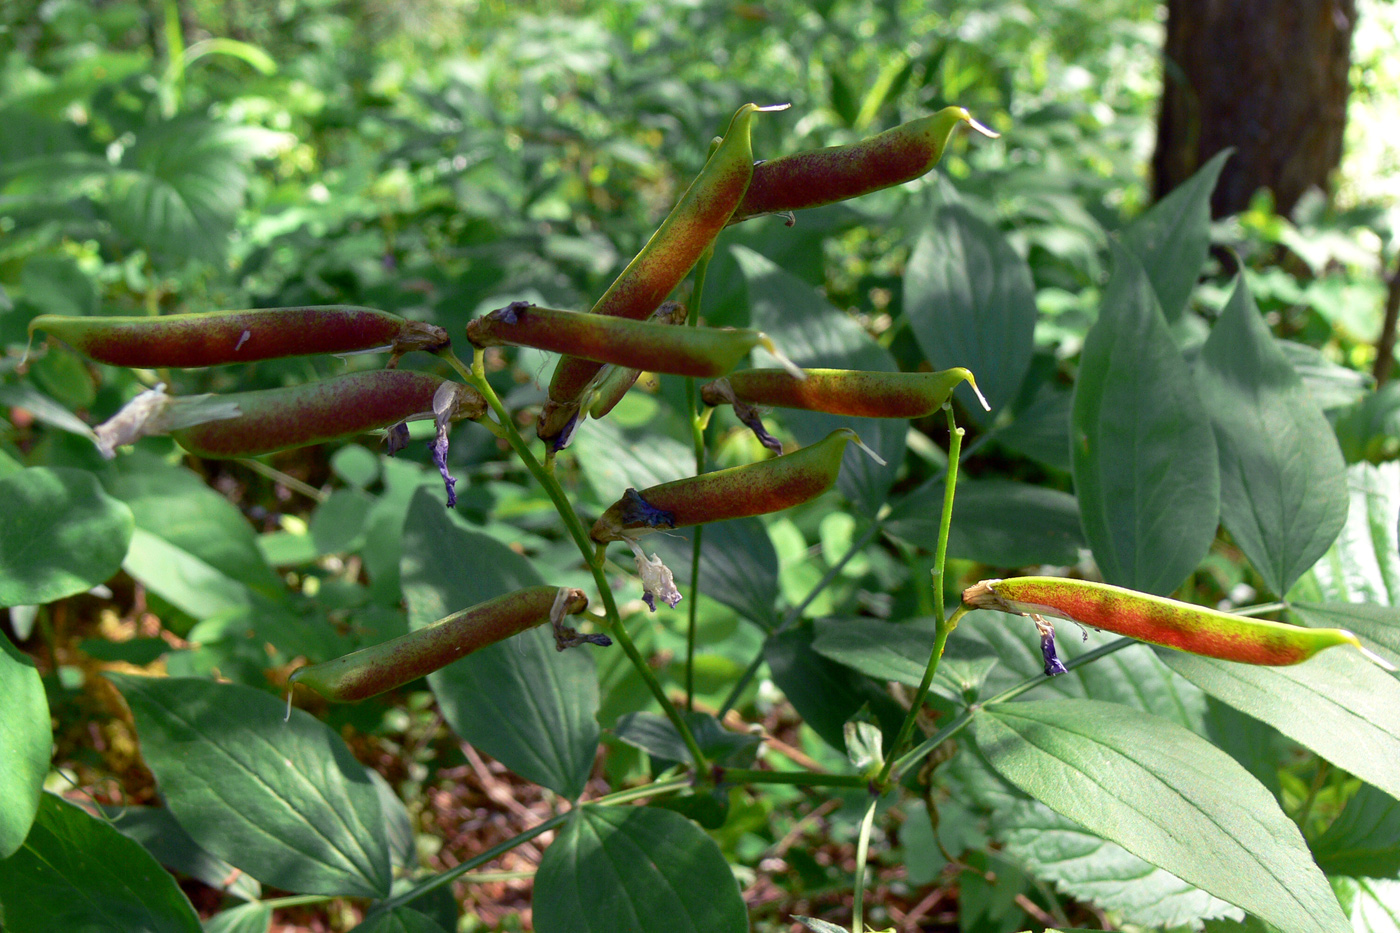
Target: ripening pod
(664, 262)
(617, 382)
(297, 416)
(373, 670)
(1158, 620)
(753, 489)
(824, 176)
(840, 391)
(214, 338)
(684, 351)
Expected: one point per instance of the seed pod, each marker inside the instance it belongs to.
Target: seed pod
(824, 176)
(219, 337)
(753, 489)
(612, 387)
(690, 351)
(277, 419)
(666, 259)
(1156, 619)
(373, 670)
(840, 391)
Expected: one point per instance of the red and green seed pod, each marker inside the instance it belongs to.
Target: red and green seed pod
(613, 386)
(1158, 620)
(824, 176)
(691, 351)
(839, 391)
(373, 670)
(297, 416)
(214, 338)
(753, 489)
(664, 262)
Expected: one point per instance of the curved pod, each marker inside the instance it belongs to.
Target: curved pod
(839, 391)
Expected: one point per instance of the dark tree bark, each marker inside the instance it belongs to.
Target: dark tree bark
(1268, 77)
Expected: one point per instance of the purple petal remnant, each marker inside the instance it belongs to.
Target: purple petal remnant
(636, 510)
(510, 314)
(444, 407)
(566, 434)
(749, 415)
(1053, 664)
(396, 437)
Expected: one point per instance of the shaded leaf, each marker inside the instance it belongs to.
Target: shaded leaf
(1283, 492)
(825, 693)
(1166, 795)
(75, 872)
(654, 734)
(635, 870)
(61, 535)
(1145, 464)
(1363, 564)
(521, 701)
(399, 920)
(245, 918)
(180, 578)
(997, 522)
(1364, 840)
(900, 652)
(284, 801)
(738, 566)
(1172, 238)
(26, 741)
(162, 835)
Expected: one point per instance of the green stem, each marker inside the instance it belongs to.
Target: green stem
(476, 377)
(1319, 777)
(862, 851)
(297, 900)
(905, 762)
(697, 432)
(801, 778)
(945, 625)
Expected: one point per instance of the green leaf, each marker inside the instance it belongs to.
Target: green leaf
(245, 918)
(900, 652)
(825, 693)
(26, 741)
(1057, 850)
(1378, 627)
(399, 920)
(1330, 385)
(75, 872)
(1145, 463)
(174, 503)
(1337, 703)
(1041, 431)
(1172, 238)
(44, 409)
(613, 457)
(61, 535)
(1363, 564)
(162, 835)
(655, 735)
(997, 522)
(1372, 904)
(1283, 493)
(635, 870)
(1167, 796)
(521, 701)
(815, 334)
(284, 801)
(970, 302)
(339, 523)
(1364, 840)
(181, 185)
(738, 566)
(180, 578)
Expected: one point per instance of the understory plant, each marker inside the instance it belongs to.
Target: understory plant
(1243, 779)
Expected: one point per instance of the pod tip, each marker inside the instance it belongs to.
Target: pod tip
(984, 130)
(1370, 655)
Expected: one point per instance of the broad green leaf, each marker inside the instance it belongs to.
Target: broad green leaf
(284, 801)
(1337, 703)
(824, 693)
(654, 734)
(997, 522)
(1058, 850)
(970, 302)
(175, 504)
(26, 741)
(162, 835)
(1368, 429)
(1172, 238)
(1041, 431)
(1363, 564)
(738, 566)
(399, 920)
(44, 409)
(75, 872)
(338, 525)
(1373, 904)
(1283, 493)
(1145, 463)
(900, 652)
(613, 458)
(61, 535)
(383, 549)
(180, 578)
(1364, 840)
(815, 334)
(1330, 385)
(245, 918)
(635, 870)
(1167, 796)
(523, 702)
(180, 186)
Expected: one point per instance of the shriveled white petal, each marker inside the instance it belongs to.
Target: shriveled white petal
(657, 581)
(133, 421)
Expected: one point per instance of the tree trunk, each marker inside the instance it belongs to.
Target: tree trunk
(1268, 77)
